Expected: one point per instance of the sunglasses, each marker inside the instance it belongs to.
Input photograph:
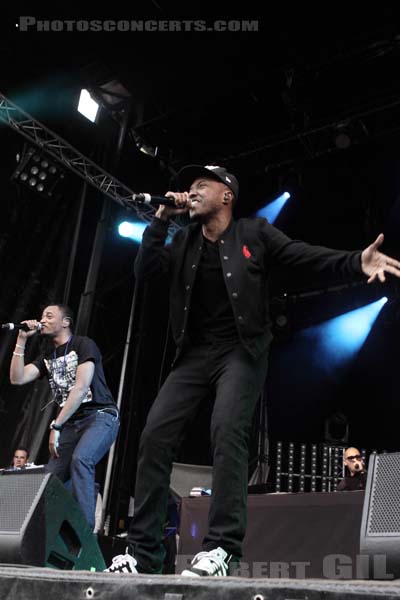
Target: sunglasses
(355, 457)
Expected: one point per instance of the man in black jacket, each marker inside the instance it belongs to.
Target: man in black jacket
(356, 475)
(218, 271)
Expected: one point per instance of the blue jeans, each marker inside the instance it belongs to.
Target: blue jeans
(83, 444)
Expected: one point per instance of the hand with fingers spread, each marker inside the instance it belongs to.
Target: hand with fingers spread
(375, 264)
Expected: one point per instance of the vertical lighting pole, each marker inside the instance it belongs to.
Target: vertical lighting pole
(71, 264)
(87, 298)
(111, 454)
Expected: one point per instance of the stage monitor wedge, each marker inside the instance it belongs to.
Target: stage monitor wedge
(42, 525)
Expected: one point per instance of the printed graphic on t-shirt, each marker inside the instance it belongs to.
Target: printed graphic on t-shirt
(62, 376)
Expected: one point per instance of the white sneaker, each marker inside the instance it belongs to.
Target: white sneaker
(123, 563)
(213, 563)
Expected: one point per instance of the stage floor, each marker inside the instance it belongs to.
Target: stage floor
(25, 583)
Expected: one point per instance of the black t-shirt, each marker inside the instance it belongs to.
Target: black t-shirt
(211, 315)
(60, 366)
(352, 483)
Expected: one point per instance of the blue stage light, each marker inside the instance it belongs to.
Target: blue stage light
(272, 210)
(133, 231)
(342, 337)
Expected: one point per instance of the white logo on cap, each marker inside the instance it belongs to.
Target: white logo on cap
(227, 179)
(211, 167)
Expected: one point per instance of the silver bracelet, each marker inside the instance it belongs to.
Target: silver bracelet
(18, 354)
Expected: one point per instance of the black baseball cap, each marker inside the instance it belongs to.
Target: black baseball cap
(188, 174)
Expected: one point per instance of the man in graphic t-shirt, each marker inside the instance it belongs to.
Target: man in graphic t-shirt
(87, 421)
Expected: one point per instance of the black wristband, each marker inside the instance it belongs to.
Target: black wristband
(53, 425)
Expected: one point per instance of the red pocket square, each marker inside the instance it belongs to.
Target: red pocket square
(246, 252)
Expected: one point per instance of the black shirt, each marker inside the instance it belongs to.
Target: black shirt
(60, 366)
(350, 484)
(211, 316)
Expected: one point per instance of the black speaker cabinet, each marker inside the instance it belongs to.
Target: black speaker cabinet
(185, 477)
(380, 525)
(42, 525)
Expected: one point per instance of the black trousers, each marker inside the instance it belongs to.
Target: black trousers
(236, 380)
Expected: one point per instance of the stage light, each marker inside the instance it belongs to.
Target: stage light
(272, 210)
(337, 467)
(324, 483)
(280, 322)
(343, 138)
(37, 172)
(290, 467)
(337, 428)
(133, 231)
(302, 468)
(143, 146)
(343, 336)
(88, 107)
(278, 466)
(313, 468)
(364, 456)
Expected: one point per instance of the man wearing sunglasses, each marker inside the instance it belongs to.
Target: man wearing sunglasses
(356, 473)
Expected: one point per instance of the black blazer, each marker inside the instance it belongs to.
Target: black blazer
(248, 249)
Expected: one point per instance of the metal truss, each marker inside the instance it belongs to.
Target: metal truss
(360, 125)
(76, 162)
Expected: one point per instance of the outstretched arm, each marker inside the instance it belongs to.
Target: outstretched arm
(375, 264)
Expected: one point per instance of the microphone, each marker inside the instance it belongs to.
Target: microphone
(154, 200)
(22, 326)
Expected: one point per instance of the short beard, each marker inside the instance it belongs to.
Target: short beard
(202, 219)
(195, 218)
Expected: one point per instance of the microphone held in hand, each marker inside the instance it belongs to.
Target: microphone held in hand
(154, 200)
(22, 326)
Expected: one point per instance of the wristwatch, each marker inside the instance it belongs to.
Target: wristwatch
(53, 425)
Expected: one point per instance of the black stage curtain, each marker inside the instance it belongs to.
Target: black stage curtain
(35, 243)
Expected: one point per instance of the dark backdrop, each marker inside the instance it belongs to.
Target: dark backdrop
(211, 99)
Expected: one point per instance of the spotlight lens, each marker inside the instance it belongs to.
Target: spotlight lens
(32, 182)
(36, 158)
(40, 187)
(87, 106)
(134, 231)
(343, 141)
(125, 229)
(42, 176)
(34, 170)
(281, 321)
(44, 164)
(53, 170)
(23, 176)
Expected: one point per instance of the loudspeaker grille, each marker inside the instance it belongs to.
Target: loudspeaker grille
(17, 494)
(384, 515)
